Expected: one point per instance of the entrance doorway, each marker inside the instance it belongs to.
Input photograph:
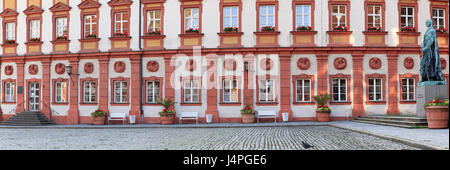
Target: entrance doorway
(33, 97)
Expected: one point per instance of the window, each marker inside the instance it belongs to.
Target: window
(35, 31)
(10, 33)
(438, 18)
(375, 89)
(89, 92)
(153, 20)
(408, 89)
(231, 17)
(303, 90)
(338, 15)
(266, 16)
(153, 89)
(230, 91)
(61, 27)
(191, 18)
(266, 91)
(374, 18)
(339, 87)
(61, 92)
(9, 91)
(303, 15)
(120, 92)
(191, 91)
(90, 25)
(407, 17)
(121, 22)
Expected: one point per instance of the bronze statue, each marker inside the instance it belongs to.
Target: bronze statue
(430, 65)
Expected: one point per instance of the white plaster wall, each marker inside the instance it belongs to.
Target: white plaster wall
(7, 108)
(21, 32)
(211, 24)
(303, 110)
(171, 25)
(341, 110)
(376, 109)
(153, 111)
(248, 23)
(321, 22)
(357, 18)
(104, 26)
(391, 22)
(74, 26)
(86, 110)
(284, 22)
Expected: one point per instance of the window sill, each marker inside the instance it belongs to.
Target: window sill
(120, 38)
(55, 103)
(304, 103)
(5, 102)
(375, 102)
(119, 104)
(340, 103)
(190, 104)
(267, 104)
(151, 104)
(230, 104)
(407, 102)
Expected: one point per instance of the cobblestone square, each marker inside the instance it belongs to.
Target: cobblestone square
(246, 138)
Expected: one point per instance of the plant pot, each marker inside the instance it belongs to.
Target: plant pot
(248, 118)
(99, 120)
(437, 117)
(167, 120)
(323, 115)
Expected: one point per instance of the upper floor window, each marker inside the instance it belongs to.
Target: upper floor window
(408, 88)
(375, 89)
(153, 20)
(9, 91)
(10, 31)
(266, 16)
(303, 90)
(231, 17)
(89, 92)
(120, 92)
(121, 22)
(90, 25)
(153, 89)
(35, 31)
(61, 27)
(191, 91)
(230, 91)
(302, 15)
(338, 15)
(374, 18)
(339, 89)
(266, 90)
(191, 18)
(438, 18)
(407, 17)
(61, 92)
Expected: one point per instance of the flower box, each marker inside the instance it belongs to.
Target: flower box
(248, 114)
(340, 28)
(408, 29)
(231, 29)
(63, 37)
(192, 31)
(10, 41)
(35, 40)
(267, 29)
(374, 28)
(303, 28)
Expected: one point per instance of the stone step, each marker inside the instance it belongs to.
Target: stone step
(384, 124)
(397, 122)
(27, 119)
(398, 118)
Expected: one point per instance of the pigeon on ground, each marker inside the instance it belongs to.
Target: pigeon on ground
(306, 145)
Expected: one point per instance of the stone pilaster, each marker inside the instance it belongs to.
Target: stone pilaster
(358, 91)
(285, 85)
(103, 83)
(322, 71)
(249, 79)
(393, 84)
(20, 84)
(73, 113)
(135, 87)
(46, 88)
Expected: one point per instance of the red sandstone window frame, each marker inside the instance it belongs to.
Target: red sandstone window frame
(441, 4)
(275, 88)
(119, 7)
(383, 88)
(347, 13)
(199, 79)
(31, 16)
(409, 76)
(266, 3)
(9, 80)
(154, 5)
(86, 10)
(294, 12)
(294, 89)
(54, 81)
(238, 84)
(144, 90)
(225, 3)
(191, 4)
(415, 9)
(127, 81)
(82, 81)
(348, 81)
(382, 4)
(60, 13)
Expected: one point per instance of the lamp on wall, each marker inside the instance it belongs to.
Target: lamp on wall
(69, 70)
(246, 66)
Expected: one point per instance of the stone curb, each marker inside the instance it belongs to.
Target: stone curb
(395, 139)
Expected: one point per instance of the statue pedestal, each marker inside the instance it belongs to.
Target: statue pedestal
(427, 93)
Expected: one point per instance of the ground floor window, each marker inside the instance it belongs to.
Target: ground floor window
(339, 89)
(230, 91)
(89, 92)
(120, 92)
(61, 92)
(408, 89)
(375, 89)
(191, 91)
(303, 90)
(152, 94)
(9, 91)
(266, 91)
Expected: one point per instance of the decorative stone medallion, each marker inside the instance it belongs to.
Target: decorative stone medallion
(303, 63)
(266, 64)
(119, 67)
(152, 66)
(408, 63)
(33, 69)
(340, 63)
(9, 70)
(60, 68)
(375, 63)
(443, 64)
(229, 64)
(88, 68)
(190, 65)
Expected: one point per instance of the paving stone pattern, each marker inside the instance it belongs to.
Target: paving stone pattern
(247, 138)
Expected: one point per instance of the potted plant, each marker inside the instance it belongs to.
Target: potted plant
(374, 28)
(192, 31)
(231, 29)
(437, 113)
(98, 117)
(322, 111)
(304, 28)
(267, 29)
(441, 30)
(167, 114)
(408, 29)
(248, 114)
(339, 28)
(91, 36)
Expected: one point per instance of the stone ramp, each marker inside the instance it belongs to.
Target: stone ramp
(27, 119)
(397, 121)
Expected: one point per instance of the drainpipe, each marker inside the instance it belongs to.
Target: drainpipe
(140, 65)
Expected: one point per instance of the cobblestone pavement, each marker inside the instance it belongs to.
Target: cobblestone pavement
(246, 138)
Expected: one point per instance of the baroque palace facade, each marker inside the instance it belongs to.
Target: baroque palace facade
(66, 58)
